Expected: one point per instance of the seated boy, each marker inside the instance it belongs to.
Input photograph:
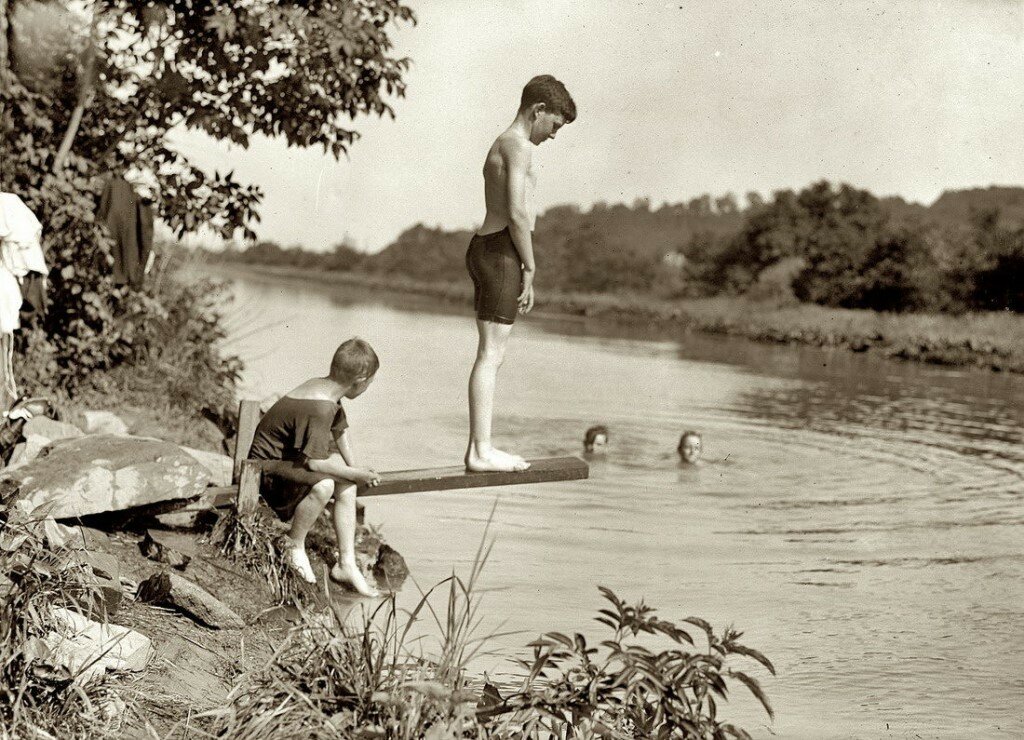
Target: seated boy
(304, 443)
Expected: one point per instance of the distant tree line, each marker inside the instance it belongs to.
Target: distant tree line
(830, 244)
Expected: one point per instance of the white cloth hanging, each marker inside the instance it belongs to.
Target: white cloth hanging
(10, 301)
(21, 237)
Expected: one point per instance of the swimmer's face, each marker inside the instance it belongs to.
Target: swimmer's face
(545, 125)
(599, 440)
(689, 449)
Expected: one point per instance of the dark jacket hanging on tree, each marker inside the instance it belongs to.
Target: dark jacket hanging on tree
(130, 221)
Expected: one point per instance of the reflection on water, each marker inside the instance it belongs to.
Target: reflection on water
(859, 519)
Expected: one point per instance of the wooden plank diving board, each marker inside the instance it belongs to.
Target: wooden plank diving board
(455, 477)
(545, 470)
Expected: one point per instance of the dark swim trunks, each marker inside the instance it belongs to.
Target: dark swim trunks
(493, 263)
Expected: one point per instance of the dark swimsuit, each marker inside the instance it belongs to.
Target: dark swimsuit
(493, 263)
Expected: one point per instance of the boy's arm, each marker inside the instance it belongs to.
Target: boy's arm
(517, 156)
(345, 448)
(335, 465)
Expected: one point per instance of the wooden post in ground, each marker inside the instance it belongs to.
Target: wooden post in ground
(248, 418)
(248, 489)
(246, 473)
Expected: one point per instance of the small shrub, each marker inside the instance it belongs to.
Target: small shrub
(899, 274)
(628, 690)
(775, 283)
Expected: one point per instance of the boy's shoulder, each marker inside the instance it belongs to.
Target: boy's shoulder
(290, 407)
(510, 142)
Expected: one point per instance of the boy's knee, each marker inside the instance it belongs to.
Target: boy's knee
(323, 491)
(493, 355)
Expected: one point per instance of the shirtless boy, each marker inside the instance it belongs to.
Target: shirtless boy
(500, 255)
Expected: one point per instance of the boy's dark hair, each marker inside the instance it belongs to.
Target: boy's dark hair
(355, 358)
(687, 433)
(591, 435)
(546, 89)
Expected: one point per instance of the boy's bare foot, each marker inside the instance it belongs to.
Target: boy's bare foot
(494, 461)
(296, 557)
(350, 575)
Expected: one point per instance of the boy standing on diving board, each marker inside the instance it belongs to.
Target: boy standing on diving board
(500, 255)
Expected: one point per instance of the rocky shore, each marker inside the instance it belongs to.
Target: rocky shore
(113, 576)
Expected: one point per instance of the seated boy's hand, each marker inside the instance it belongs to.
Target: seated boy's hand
(367, 477)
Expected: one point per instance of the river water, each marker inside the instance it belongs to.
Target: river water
(859, 519)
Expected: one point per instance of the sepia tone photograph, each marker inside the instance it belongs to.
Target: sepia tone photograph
(511, 369)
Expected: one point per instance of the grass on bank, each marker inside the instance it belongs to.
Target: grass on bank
(375, 679)
(39, 698)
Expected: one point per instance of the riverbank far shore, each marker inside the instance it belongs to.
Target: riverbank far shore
(994, 341)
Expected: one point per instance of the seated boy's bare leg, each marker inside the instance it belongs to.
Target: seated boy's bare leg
(346, 570)
(305, 516)
(481, 455)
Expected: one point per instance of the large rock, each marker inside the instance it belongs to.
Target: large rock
(88, 649)
(220, 467)
(101, 473)
(100, 422)
(27, 451)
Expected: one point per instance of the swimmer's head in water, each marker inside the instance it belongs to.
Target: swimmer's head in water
(689, 447)
(596, 436)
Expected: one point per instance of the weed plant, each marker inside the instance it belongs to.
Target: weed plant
(371, 679)
(376, 679)
(254, 542)
(37, 699)
(623, 689)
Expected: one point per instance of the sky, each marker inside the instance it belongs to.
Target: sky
(674, 99)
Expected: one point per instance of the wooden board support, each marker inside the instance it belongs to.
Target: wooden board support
(455, 477)
(248, 419)
(248, 488)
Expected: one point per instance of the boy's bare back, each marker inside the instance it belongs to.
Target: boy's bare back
(509, 158)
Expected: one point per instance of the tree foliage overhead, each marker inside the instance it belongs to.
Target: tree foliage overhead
(298, 70)
(112, 78)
